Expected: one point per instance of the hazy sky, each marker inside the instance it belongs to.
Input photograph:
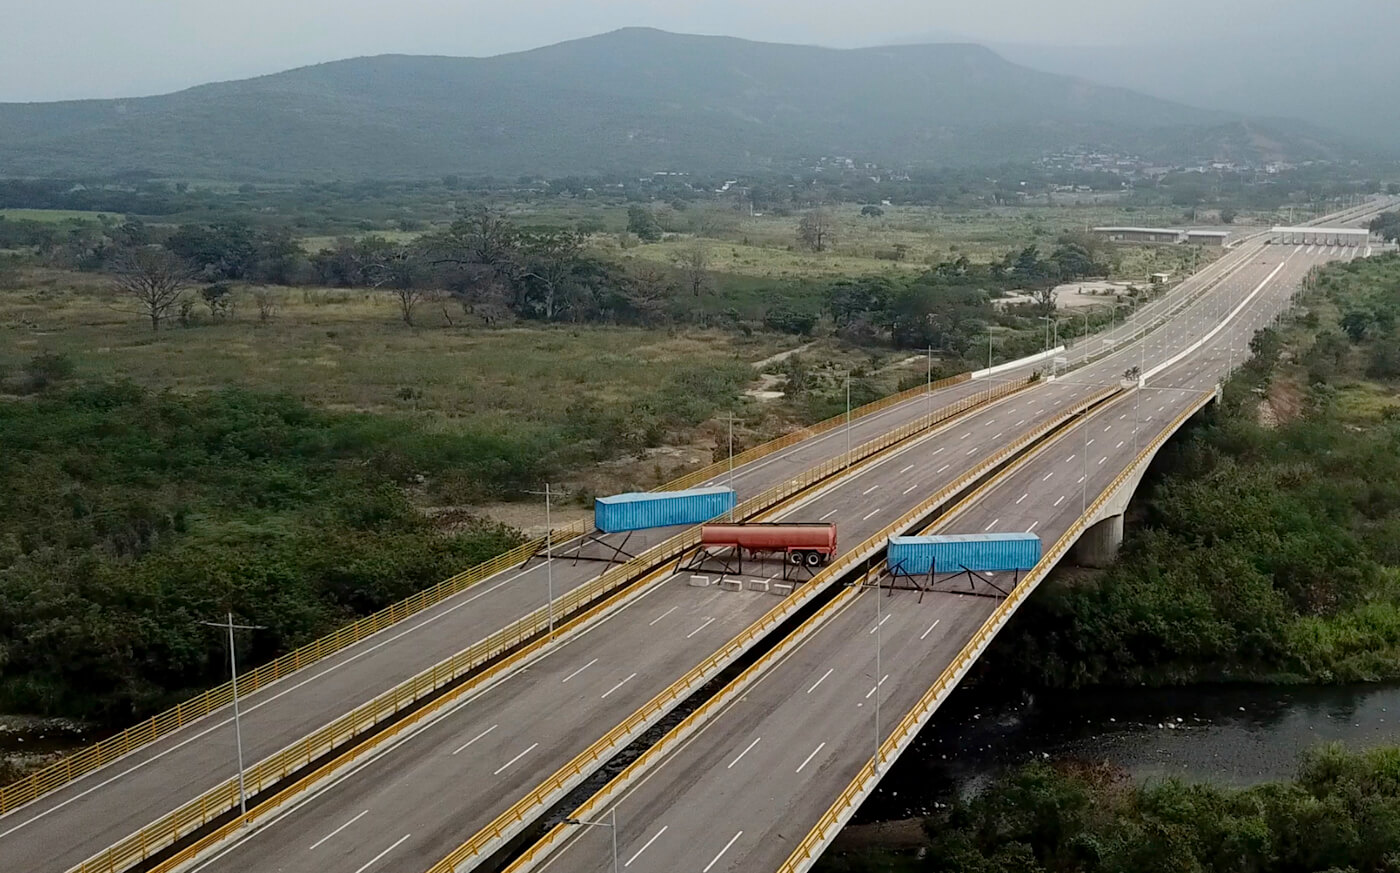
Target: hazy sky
(63, 49)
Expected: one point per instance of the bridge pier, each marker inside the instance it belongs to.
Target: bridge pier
(1098, 546)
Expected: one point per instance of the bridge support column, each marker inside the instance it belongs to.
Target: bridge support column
(1098, 547)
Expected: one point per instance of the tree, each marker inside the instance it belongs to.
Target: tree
(401, 269)
(1228, 215)
(642, 222)
(266, 300)
(550, 261)
(219, 298)
(694, 263)
(817, 230)
(153, 279)
(1387, 226)
(871, 211)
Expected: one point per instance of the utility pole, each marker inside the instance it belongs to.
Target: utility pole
(548, 550)
(878, 619)
(928, 392)
(989, 347)
(730, 420)
(237, 716)
(848, 418)
(610, 824)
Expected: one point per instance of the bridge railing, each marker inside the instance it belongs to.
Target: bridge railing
(275, 769)
(513, 819)
(807, 852)
(75, 765)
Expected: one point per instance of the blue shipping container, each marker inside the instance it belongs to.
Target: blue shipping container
(636, 511)
(985, 553)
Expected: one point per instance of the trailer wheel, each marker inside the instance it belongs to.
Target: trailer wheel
(795, 558)
(814, 559)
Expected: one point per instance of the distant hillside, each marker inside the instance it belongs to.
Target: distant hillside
(632, 100)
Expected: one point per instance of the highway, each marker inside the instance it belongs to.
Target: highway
(68, 825)
(503, 741)
(741, 792)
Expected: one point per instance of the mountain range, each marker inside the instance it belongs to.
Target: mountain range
(634, 100)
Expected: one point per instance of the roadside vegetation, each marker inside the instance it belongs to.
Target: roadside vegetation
(1269, 545)
(1341, 813)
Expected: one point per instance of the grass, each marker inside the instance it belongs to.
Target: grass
(347, 349)
(57, 215)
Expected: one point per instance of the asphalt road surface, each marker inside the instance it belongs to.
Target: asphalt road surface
(73, 823)
(505, 741)
(742, 792)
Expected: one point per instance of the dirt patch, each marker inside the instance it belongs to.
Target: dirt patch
(528, 518)
(1283, 403)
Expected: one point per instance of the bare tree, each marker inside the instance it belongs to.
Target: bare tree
(266, 301)
(646, 290)
(153, 279)
(400, 268)
(694, 263)
(1044, 297)
(817, 230)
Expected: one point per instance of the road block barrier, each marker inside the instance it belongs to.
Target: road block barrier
(75, 765)
(840, 812)
(367, 717)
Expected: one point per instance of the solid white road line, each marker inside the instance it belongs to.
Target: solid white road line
(821, 680)
(338, 830)
(513, 760)
(930, 628)
(662, 615)
(809, 758)
(708, 622)
(645, 846)
(375, 859)
(617, 686)
(469, 742)
(747, 749)
(715, 860)
(580, 670)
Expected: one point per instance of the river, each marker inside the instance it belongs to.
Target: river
(1235, 735)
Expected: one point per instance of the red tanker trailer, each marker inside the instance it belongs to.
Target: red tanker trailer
(809, 544)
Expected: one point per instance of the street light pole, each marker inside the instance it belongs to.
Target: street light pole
(548, 551)
(610, 824)
(848, 418)
(928, 391)
(730, 420)
(237, 716)
(878, 619)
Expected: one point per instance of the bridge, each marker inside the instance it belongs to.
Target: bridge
(483, 683)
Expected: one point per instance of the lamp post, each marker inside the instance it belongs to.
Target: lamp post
(928, 391)
(610, 824)
(878, 619)
(848, 418)
(730, 419)
(237, 716)
(548, 551)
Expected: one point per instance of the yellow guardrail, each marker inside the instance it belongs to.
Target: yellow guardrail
(806, 852)
(71, 767)
(519, 814)
(276, 768)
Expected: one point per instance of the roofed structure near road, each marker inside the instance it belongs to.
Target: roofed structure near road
(1141, 234)
(1323, 236)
